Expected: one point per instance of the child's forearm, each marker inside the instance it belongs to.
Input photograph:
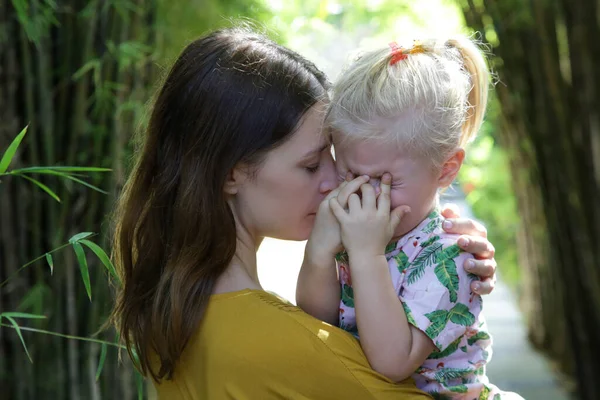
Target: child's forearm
(318, 290)
(385, 334)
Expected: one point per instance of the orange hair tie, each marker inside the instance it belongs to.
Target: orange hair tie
(417, 48)
(397, 53)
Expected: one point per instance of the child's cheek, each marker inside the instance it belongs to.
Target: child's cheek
(398, 198)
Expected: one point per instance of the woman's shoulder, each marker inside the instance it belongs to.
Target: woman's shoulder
(259, 342)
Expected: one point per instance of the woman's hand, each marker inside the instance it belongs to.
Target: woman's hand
(325, 239)
(473, 240)
(368, 225)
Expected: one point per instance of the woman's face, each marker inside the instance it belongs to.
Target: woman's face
(282, 198)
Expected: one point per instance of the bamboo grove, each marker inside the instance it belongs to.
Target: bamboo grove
(546, 54)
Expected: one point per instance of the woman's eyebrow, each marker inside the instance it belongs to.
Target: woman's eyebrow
(315, 151)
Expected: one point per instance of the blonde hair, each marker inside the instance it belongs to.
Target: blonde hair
(431, 101)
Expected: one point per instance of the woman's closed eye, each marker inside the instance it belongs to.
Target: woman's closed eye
(313, 168)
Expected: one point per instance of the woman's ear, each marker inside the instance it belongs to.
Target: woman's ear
(236, 178)
(450, 168)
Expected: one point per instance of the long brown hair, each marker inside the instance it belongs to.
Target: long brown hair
(230, 97)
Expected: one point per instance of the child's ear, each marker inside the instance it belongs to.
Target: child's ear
(235, 179)
(450, 168)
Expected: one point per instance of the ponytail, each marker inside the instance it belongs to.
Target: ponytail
(476, 66)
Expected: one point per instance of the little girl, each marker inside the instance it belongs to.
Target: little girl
(401, 116)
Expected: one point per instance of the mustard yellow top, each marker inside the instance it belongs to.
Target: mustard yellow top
(254, 345)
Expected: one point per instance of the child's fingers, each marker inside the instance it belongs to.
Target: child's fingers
(337, 210)
(354, 203)
(350, 188)
(397, 215)
(368, 197)
(349, 176)
(383, 201)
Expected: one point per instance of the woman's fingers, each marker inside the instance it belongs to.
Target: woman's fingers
(464, 226)
(480, 247)
(481, 268)
(337, 210)
(484, 286)
(450, 210)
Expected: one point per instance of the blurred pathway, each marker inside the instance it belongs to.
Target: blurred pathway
(515, 366)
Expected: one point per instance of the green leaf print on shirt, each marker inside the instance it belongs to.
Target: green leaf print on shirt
(446, 273)
(434, 223)
(425, 258)
(439, 319)
(429, 241)
(485, 393)
(409, 316)
(478, 336)
(452, 347)
(459, 389)
(440, 396)
(348, 296)
(459, 314)
(497, 396)
(448, 253)
(402, 260)
(446, 374)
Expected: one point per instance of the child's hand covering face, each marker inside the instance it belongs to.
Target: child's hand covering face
(369, 224)
(414, 182)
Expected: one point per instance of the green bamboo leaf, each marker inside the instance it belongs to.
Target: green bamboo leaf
(41, 186)
(18, 330)
(15, 314)
(83, 267)
(67, 169)
(402, 260)
(463, 349)
(103, 257)
(101, 361)
(448, 253)
(50, 263)
(12, 149)
(79, 236)
(439, 319)
(84, 183)
(409, 316)
(42, 170)
(348, 295)
(93, 64)
(446, 273)
(139, 383)
(452, 347)
(460, 315)
(481, 335)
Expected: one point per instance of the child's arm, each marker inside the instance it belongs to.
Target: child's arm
(318, 290)
(393, 346)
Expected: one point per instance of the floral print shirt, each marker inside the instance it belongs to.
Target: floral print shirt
(426, 267)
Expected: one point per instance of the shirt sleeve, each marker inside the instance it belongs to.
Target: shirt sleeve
(436, 293)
